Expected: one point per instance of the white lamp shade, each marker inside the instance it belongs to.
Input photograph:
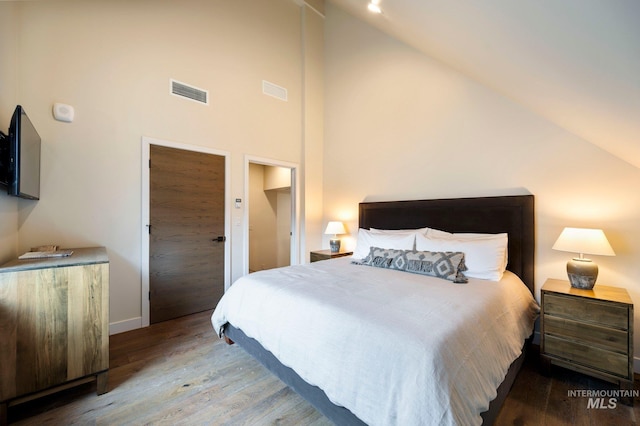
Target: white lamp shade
(584, 241)
(335, 228)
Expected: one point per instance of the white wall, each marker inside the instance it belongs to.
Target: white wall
(277, 177)
(400, 125)
(112, 61)
(313, 116)
(8, 90)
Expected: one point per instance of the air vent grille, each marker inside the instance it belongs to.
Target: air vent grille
(189, 92)
(274, 90)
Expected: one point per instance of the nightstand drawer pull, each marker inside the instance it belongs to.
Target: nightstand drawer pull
(602, 337)
(590, 356)
(596, 312)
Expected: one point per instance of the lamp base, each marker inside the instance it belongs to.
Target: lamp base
(582, 273)
(335, 245)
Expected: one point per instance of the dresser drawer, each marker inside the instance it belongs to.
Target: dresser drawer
(602, 337)
(585, 310)
(590, 356)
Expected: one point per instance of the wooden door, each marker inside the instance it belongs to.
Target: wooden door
(186, 235)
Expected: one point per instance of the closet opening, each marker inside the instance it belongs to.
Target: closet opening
(271, 216)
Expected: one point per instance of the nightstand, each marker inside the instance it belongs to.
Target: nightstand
(589, 331)
(327, 254)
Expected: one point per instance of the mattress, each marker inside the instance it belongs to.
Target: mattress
(390, 346)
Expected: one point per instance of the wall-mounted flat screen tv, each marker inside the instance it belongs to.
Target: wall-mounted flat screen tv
(23, 169)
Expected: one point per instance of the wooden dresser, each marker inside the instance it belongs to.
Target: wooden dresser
(54, 325)
(590, 331)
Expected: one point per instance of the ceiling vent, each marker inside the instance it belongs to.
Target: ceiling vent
(189, 92)
(274, 90)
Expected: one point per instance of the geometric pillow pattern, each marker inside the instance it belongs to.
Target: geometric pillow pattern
(447, 265)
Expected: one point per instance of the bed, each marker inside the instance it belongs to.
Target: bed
(404, 382)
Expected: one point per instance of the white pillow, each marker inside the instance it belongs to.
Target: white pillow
(436, 233)
(368, 239)
(504, 237)
(399, 231)
(485, 257)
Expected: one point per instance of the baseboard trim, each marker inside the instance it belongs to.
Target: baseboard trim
(125, 325)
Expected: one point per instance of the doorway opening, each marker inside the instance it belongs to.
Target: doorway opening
(270, 215)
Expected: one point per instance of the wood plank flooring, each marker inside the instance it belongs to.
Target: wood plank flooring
(179, 372)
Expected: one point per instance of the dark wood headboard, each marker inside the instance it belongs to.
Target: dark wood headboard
(511, 214)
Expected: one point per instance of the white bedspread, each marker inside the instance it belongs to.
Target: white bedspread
(394, 348)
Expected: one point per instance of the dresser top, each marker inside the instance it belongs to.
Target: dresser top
(601, 292)
(80, 256)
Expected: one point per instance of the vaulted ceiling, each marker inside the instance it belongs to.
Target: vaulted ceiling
(574, 62)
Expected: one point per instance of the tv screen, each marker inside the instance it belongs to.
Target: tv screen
(23, 179)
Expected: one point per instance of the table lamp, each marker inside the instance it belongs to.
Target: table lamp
(335, 228)
(583, 272)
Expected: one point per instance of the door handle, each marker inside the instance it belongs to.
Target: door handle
(220, 239)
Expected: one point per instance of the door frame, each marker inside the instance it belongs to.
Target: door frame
(295, 208)
(144, 232)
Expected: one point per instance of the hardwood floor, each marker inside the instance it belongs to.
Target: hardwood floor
(175, 372)
(179, 372)
(536, 399)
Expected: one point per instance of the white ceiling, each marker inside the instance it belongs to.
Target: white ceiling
(574, 62)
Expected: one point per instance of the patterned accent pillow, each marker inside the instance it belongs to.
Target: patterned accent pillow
(448, 265)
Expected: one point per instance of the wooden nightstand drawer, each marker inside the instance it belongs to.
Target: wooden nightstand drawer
(592, 311)
(602, 337)
(590, 356)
